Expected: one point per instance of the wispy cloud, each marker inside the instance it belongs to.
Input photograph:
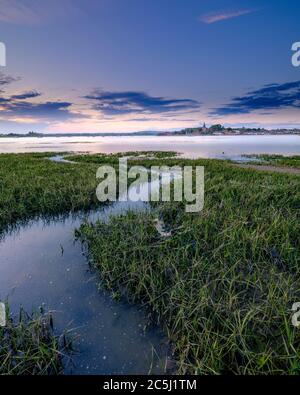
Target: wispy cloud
(50, 110)
(13, 107)
(7, 79)
(33, 12)
(14, 11)
(224, 15)
(21, 106)
(26, 95)
(130, 102)
(269, 98)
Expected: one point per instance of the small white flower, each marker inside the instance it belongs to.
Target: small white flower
(160, 227)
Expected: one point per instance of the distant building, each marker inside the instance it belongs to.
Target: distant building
(197, 131)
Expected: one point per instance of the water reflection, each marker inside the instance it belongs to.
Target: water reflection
(194, 146)
(41, 264)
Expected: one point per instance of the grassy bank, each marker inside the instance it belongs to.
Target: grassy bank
(29, 346)
(31, 185)
(224, 284)
(277, 160)
(130, 155)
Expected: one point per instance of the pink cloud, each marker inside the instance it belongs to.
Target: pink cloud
(223, 15)
(33, 12)
(12, 11)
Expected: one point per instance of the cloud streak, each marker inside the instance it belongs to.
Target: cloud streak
(224, 15)
(20, 106)
(49, 110)
(13, 11)
(131, 102)
(26, 95)
(7, 79)
(34, 12)
(27, 106)
(269, 98)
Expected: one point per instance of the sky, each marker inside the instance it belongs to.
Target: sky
(133, 65)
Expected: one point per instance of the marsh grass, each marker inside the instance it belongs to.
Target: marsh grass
(28, 345)
(32, 185)
(113, 159)
(277, 160)
(223, 285)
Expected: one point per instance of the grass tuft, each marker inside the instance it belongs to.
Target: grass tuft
(224, 284)
(28, 346)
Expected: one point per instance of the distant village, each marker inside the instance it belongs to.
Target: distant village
(213, 130)
(220, 130)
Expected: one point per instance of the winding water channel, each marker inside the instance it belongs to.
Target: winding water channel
(41, 264)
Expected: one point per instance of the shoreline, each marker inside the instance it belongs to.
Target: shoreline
(146, 135)
(213, 282)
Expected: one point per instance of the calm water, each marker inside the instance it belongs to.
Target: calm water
(40, 263)
(193, 147)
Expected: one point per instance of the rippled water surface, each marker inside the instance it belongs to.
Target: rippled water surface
(193, 147)
(40, 263)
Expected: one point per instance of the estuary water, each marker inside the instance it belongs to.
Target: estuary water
(41, 264)
(221, 147)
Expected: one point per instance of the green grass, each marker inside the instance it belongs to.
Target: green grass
(114, 158)
(277, 160)
(28, 346)
(223, 285)
(31, 185)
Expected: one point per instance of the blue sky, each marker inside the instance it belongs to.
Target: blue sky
(127, 65)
